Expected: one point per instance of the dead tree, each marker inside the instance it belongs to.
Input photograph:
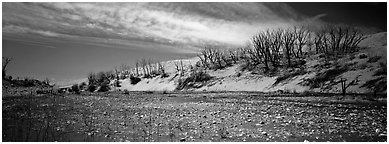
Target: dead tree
(318, 41)
(182, 68)
(233, 55)
(6, 61)
(288, 39)
(275, 40)
(161, 69)
(351, 39)
(204, 57)
(144, 67)
(117, 83)
(261, 49)
(137, 67)
(343, 84)
(302, 36)
(176, 64)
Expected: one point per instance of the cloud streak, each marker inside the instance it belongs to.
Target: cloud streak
(183, 23)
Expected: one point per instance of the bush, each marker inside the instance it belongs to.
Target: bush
(362, 56)
(75, 89)
(126, 91)
(92, 79)
(92, 88)
(134, 80)
(104, 87)
(83, 86)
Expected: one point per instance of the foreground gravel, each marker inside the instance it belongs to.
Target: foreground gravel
(192, 117)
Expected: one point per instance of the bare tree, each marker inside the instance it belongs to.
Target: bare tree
(275, 40)
(302, 36)
(182, 68)
(6, 61)
(212, 58)
(137, 67)
(161, 69)
(288, 39)
(351, 40)
(261, 49)
(337, 39)
(144, 67)
(318, 41)
(233, 55)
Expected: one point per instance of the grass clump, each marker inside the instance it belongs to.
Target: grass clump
(328, 75)
(374, 59)
(197, 76)
(289, 75)
(377, 85)
(381, 70)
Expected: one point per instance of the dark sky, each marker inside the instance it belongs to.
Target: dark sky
(359, 13)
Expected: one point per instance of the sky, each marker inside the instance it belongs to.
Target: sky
(66, 41)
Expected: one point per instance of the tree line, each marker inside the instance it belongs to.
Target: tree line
(286, 47)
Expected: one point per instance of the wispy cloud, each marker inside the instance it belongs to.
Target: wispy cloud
(190, 23)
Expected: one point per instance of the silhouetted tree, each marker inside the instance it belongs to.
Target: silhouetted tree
(6, 61)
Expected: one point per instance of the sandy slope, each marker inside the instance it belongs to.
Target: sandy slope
(228, 80)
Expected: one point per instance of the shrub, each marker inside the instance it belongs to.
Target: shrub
(104, 87)
(200, 76)
(126, 91)
(92, 79)
(362, 56)
(103, 77)
(134, 80)
(92, 88)
(82, 86)
(75, 89)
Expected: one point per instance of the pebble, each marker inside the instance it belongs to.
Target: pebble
(182, 139)
(382, 135)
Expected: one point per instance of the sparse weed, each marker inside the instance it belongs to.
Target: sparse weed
(289, 75)
(373, 59)
(196, 76)
(328, 75)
